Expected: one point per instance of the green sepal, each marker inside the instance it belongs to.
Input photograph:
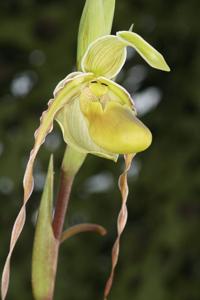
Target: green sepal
(105, 56)
(45, 245)
(148, 53)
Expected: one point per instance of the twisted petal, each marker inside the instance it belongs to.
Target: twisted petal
(70, 90)
(121, 221)
(148, 53)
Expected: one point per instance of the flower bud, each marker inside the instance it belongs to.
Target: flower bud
(96, 21)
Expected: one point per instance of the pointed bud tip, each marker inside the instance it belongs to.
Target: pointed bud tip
(166, 68)
(131, 27)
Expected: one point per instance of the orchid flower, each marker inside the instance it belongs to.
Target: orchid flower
(96, 115)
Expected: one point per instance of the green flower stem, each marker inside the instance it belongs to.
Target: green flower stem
(62, 203)
(72, 162)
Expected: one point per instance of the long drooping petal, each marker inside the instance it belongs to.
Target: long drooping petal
(106, 55)
(70, 90)
(121, 223)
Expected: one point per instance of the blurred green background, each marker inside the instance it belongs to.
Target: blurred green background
(160, 251)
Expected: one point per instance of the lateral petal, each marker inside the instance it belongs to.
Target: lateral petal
(70, 90)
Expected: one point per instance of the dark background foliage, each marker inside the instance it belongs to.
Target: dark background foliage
(160, 249)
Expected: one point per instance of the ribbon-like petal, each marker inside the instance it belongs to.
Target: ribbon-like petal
(69, 92)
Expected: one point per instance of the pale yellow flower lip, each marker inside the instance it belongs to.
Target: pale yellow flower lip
(116, 128)
(102, 120)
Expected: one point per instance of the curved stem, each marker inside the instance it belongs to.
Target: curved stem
(87, 227)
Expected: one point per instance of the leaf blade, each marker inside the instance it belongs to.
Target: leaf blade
(45, 246)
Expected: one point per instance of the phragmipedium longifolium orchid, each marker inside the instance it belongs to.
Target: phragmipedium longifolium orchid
(97, 116)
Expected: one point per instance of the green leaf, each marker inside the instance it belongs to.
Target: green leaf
(149, 54)
(45, 245)
(105, 56)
